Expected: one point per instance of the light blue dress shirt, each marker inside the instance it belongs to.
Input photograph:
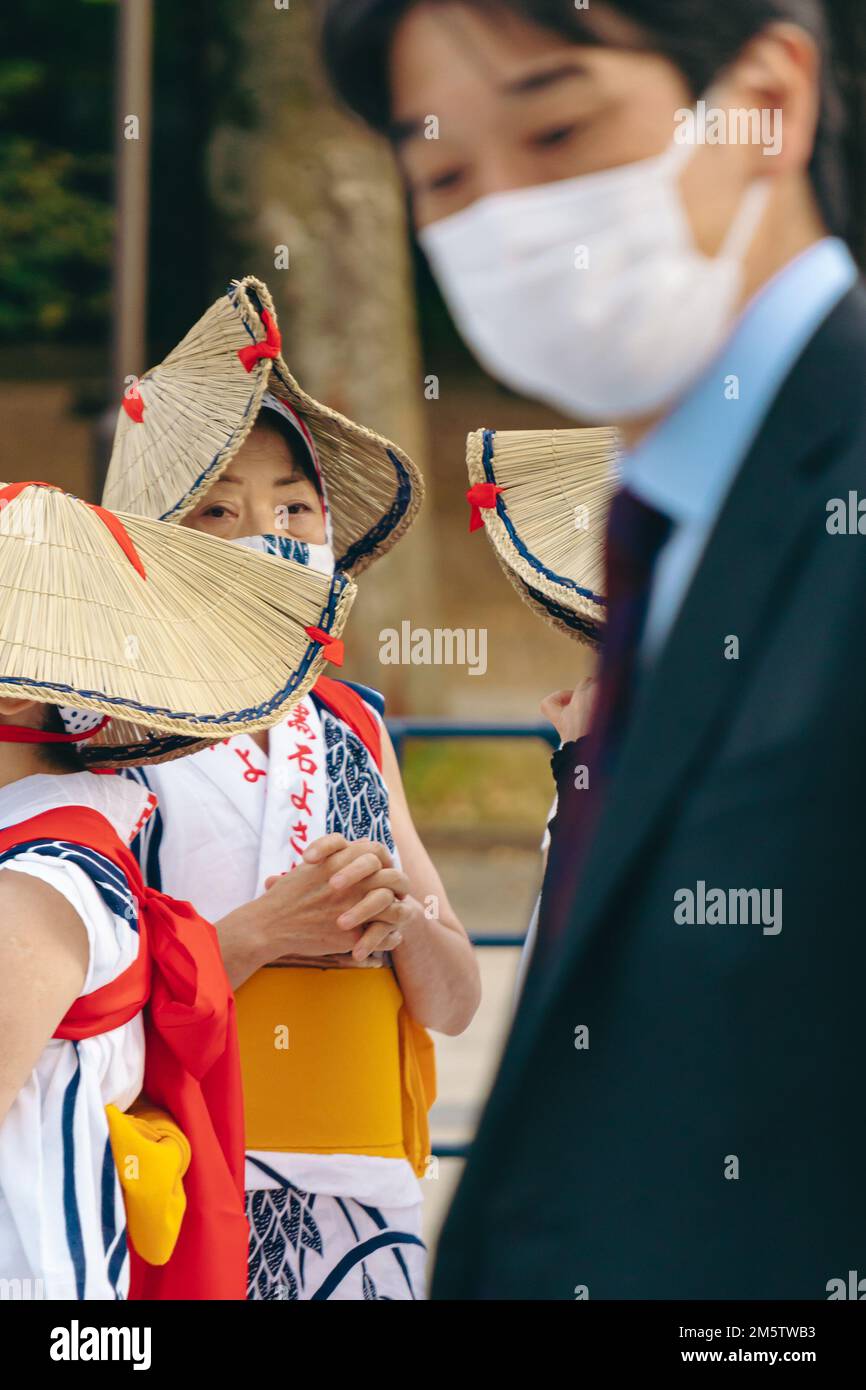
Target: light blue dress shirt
(687, 464)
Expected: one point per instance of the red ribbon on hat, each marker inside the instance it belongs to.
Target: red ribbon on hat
(271, 346)
(481, 495)
(133, 404)
(114, 524)
(20, 733)
(333, 649)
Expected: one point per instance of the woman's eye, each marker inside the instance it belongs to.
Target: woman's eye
(216, 511)
(295, 508)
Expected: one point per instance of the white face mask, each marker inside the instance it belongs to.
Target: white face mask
(318, 557)
(590, 293)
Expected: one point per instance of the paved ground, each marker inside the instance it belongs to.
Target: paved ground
(493, 891)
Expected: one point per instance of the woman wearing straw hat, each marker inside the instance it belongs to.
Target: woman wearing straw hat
(123, 640)
(543, 498)
(334, 998)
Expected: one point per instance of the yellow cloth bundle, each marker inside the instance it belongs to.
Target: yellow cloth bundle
(151, 1156)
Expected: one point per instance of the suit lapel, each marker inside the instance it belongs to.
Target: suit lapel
(692, 691)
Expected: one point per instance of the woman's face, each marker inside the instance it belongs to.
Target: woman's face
(263, 492)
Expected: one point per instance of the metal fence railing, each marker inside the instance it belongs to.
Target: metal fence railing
(401, 731)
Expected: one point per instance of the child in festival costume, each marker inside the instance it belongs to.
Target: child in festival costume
(123, 640)
(543, 497)
(338, 1067)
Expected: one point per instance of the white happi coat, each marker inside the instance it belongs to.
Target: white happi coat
(335, 1226)
(62, 1217)
(232, 816)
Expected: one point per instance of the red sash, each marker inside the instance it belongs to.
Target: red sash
(347, 705)
(192, 1067)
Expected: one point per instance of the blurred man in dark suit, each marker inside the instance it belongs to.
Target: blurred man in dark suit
(636, 211)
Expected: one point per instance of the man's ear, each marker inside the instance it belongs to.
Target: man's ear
(16, 709)
(779, 73)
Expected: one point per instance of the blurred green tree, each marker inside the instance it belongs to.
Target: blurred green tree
(55, 168)
(56, 164)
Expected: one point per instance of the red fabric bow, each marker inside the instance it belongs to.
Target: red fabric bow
(333, 646)
(114, 524)
(271, 347)
(347, 704)
(133, 404)
(481, 495)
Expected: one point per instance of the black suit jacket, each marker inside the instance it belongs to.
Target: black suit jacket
(711, 1140)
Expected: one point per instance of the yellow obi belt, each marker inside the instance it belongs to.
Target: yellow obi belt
(332, 1063)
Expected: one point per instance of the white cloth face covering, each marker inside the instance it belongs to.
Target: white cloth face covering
(318, 557)
(590, 293)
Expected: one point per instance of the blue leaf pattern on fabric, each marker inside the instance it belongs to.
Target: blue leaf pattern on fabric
(283, 1231)
(281, 1221)
(357, 796)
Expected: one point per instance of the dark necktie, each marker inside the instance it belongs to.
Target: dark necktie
(635, 535)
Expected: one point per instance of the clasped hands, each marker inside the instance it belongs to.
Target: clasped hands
(340, 904)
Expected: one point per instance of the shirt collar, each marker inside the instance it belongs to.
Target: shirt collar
(125, 803)
(686, 464)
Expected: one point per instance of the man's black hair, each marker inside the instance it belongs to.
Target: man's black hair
(275, 422)
(701, 37)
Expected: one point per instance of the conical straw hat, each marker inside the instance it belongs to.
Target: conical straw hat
(181, 638)
(180, 428)
(545, 510)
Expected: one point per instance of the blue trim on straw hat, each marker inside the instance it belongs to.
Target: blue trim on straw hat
(338, 584)
(385, 525)
(214, 463)
(487, 457)
(231, 293)
(153, 748)
(592, 631)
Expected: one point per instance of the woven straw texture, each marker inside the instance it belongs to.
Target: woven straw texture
(549, 523)
(209, 644)
(200, 404)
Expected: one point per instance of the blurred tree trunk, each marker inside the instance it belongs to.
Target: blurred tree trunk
(288, 169)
